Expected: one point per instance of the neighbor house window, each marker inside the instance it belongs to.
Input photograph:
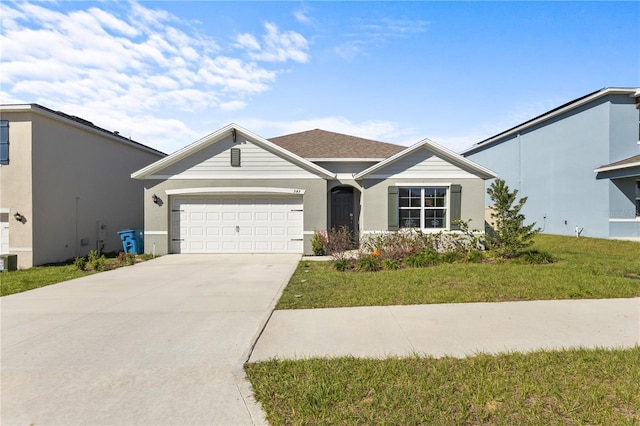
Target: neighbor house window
(4, 142)
(422, 207)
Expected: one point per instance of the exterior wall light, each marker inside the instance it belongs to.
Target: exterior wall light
(18, 217)
(157, 200)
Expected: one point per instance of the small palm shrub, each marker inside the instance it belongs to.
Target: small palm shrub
(390, 264)
(368, 263)
(425, 258)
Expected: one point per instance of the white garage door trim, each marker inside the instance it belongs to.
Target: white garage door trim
(249, 223)
(234, 190)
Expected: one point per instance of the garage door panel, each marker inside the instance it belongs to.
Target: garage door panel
(237, 224)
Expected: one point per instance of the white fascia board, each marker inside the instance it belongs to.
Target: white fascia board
(234, 190)
(618, 167)
(438, 150)
(217, 136)
(345, 160)
(550, 115)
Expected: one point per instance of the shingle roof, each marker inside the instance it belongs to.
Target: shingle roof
(323, 144)
(627, 162)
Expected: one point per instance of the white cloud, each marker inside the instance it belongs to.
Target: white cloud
(276, 46)
(301, 16)
(127, 67)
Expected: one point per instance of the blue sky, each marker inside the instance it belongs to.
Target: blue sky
(167, 73)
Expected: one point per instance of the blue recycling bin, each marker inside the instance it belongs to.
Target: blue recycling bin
(132, 240)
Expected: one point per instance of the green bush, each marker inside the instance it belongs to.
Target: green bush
(425, 258)
(451, 256)
(97, 262)
(536, 257)
(368, 263)
(80, 263)
(474, 256)
(390, 264)
(341, 264)
(318, 243)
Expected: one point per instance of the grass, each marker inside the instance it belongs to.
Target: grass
(548, 387)
(12, 282)
(584, 268)
(27, 279)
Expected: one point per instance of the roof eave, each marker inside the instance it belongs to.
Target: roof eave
(551, 114)
(618, 167)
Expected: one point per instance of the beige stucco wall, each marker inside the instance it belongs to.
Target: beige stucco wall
(375, 194)
(157, 217)
(15, 187)
(77, 177)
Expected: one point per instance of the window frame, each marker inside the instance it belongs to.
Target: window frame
(423, 207)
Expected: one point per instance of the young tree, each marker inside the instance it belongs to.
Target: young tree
(509, 235)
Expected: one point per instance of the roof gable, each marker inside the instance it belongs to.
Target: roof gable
(435, 152)
(201, 158)
(320, 144)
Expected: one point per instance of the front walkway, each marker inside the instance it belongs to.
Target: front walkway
(450, 329)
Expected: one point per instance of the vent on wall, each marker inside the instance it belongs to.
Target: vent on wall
(235, 157)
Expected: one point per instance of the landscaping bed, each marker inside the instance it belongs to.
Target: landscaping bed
(583, 268)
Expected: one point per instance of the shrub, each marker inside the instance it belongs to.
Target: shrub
(390, 264)
(341, 264)
(451, 256)
(318, 243)
(427, 257)
(535, 257)
(80, 263)
(510, 235)
(129, 259)
(97, 262)
(339, 241)
(474, 256)
(368, 263)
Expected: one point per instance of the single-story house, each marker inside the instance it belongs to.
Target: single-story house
(578, 164)
(65, 185)
(234, 191)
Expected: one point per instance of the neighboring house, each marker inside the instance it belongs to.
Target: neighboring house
(65, 185)
(578, 164)
(234, 191)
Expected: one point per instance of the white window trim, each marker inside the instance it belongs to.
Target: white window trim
(447, 207)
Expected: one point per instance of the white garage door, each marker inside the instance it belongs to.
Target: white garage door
(247, 224)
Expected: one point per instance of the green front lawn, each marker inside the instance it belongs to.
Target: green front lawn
(39, 276)
(595, 387)
(584, 268)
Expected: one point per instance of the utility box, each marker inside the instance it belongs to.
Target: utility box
(132, 240)
(8, 262)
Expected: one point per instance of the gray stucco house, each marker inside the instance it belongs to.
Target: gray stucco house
(65, 185)
(579, 164)
(234, 191)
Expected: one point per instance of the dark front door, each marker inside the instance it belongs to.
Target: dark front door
(342, 213)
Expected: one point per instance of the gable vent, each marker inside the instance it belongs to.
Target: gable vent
(235, 157)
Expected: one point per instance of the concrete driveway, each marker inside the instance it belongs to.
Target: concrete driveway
(159, 343)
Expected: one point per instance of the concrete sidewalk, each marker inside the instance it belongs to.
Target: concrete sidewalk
(450, 329)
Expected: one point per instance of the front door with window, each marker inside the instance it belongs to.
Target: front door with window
(342, 211)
